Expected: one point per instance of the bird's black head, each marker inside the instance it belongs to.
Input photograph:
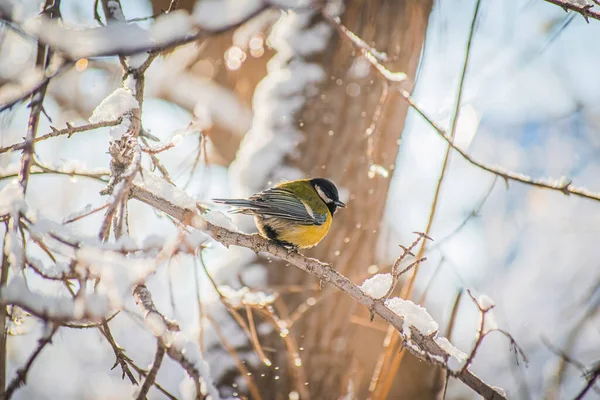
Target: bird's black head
(328, 193)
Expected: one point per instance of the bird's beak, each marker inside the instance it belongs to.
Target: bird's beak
(339, 204)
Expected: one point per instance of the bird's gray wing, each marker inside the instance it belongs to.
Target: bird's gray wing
(281, 203)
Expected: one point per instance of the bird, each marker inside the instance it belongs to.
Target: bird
(295, 214)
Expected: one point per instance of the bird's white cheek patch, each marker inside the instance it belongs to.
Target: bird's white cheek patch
(322, 195)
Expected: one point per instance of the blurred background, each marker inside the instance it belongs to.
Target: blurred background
(284, 96)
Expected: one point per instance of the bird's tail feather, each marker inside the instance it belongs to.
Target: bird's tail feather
(234, 202)
(245, 206)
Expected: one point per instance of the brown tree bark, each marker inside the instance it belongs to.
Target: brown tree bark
(337, 146)
(240, 82)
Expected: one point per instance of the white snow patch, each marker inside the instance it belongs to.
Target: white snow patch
(171, 26)
(244, 296)
(91, 306)
(413, 315)
(57, 270)
(163, 189)
(114, 106)
(377, 285)
(218, 14)
(219, 219)
(11, 198)
(450, 349)
(190, 350)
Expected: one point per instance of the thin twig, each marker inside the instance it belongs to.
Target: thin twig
(120, 357)
(3, 314)
(52, 10)
(581, 7)
(144, 373)
(22, 372)
(482, 333)
(151, 377)
(592, 377)
(69, 131)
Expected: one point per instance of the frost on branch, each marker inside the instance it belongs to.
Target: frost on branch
(414, 315)
(243, 296)
(59, 308)
(214, 15)
(378, 285)
(114, 106)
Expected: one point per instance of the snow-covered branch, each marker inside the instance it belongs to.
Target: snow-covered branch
(417, 328)
(181, 349)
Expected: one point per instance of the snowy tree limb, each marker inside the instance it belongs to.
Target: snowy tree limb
(167, 198)
(177, 348)
(579, 6)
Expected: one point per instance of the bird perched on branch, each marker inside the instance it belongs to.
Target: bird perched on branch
(295, 214)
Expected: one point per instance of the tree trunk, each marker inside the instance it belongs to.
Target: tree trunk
(337, 147)
(311, 122)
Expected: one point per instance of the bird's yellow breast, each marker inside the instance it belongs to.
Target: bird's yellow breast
(305, 236)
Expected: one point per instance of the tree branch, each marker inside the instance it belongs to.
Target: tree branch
(151, 377)
(21, 377)
(579, 6)
(164, 197)
(69, 130)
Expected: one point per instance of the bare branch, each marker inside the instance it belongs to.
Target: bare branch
(21, 377)
(52, 10)
(151, 377)
(579, 6)
(69, 131)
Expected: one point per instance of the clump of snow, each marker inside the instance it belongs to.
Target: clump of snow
(190, 350)
(91, 306)
(114, 10)
(117, 273)
(149, 182)
(219, 219)
(171, 26)
(377, 285)
(485, 302)
(413, 315)
(218, 14)
(114, 106)
(14, 250)
(153, 241)
(11, 198)
(499, 390)
(451, 349)
(57, 270)
(244, 296)
(195, 239)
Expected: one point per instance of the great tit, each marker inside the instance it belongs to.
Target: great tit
(295, 214)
